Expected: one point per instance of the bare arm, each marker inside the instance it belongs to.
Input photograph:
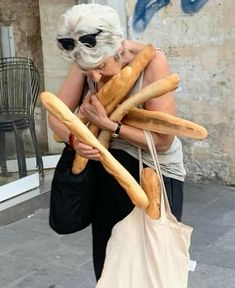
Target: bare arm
(70, 94)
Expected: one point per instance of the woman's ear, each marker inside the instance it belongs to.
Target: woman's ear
(117, 56)
(123, 46)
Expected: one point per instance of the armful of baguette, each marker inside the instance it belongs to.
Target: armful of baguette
(115, 90)
(153, 90)
(56, 107)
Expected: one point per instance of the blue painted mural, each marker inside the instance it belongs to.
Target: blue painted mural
(192, 6)
(145, 9)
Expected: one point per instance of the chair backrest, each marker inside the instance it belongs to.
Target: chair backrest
(22, 60)
(19, 86)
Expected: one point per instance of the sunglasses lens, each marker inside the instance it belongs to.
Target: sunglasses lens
(88, 40)
(67, 43)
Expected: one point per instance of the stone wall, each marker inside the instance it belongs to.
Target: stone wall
(55, 68)
(201, 49)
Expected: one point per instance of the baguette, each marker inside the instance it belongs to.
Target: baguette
(151, 184)
(153, 90)
(116, 89)
(164, 123)
(79, 163)
(55, 106)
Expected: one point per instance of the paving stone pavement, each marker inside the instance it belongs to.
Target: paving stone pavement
(33, 256)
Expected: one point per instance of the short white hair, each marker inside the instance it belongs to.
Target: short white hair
(86, 19)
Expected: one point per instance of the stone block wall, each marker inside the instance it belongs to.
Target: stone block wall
(201, 49)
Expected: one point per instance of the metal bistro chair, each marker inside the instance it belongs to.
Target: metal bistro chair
(19, 89)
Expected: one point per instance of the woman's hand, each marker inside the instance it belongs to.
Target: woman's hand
(93, 112)
(85, 151)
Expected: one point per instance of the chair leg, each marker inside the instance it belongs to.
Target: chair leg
(20, 153)
(36, 148)
(3, 160)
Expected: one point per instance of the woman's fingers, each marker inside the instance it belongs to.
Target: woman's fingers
(93, 111)
(87, 151)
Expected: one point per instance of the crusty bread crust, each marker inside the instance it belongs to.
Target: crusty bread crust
(56, 107)
(117, 88)
(115, 91)
(153, 90)
(151, 184)
(164, 123)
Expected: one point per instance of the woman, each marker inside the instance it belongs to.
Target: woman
(91, 36)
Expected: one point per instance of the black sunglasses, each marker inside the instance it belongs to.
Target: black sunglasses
(88, 40)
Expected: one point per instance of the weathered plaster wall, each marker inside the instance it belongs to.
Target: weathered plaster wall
(55, 68)
(201, 49)
(24, 17)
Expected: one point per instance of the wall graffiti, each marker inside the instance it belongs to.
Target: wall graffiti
(192, 6)
(145, 9)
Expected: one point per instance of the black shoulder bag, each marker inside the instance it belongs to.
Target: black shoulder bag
(71, 201)
(72, 196)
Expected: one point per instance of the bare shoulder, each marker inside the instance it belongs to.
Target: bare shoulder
(157, 68)
(74, 73)
(72, 87)
(134, 46)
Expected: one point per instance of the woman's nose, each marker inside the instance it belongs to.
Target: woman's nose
(95, 75)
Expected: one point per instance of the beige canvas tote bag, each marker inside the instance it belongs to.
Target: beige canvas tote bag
(147, 253)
